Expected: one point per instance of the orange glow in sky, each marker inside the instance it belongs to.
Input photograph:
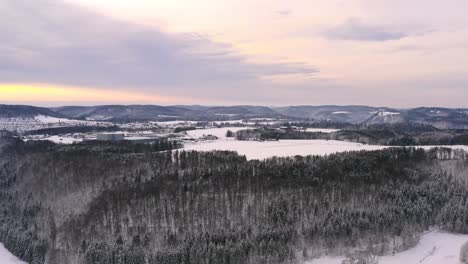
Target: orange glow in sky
(46, 93)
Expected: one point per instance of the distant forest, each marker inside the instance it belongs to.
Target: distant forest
(88, 205)
(71, 130)
(389, 135)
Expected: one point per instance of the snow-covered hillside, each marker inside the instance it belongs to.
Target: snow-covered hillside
(7, 258)
(22, 124)
(434, 248)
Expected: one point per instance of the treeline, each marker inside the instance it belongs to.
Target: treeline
(72, 130)
(319, 124)
(218, 207)
(379, 135)
(127, 146)
(277, 134)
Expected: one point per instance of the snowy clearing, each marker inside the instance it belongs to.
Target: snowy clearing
(434, 248)
(174, 123)
(322, 130)
(50, 119)
(282, 148)
(218, 132)
(385, 113)
(7, 258)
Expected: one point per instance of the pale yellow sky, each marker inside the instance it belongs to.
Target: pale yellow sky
(359, 45)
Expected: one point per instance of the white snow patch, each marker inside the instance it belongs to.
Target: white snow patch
(56, 139)
(7, 258)
(218, 132)
(340, 112)
(174, 123)
(386, 113)
(282, 148)
(51, 119)
(228, 122)
(322, 130)
(262, 119)
(434, 248)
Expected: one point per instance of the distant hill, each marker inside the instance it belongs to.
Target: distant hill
(26, 111)
(123, 112)
(157, 113)
(386, 117)
(439, 117)
(442, 118)
(347, 114)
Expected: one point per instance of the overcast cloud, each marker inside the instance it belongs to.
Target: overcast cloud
(377, 52)
(53, 42)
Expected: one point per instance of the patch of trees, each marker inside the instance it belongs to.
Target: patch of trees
(218, 207)
(319, 124)
(183, 129)
(71, 130)
(127, 146)
(277, 134)
(18, 228)
(394, 135)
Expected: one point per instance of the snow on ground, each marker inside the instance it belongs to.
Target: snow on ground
(55, 139)
(22, 124)
(7, 258)
(63, 140)
(174, 123)
(50, 119)
(282, 148)
(340, 112)
(54, 120)
(218, 132)
(385, 113)
(240, 121)
(263, 119)
(322, 130)
(434, 248)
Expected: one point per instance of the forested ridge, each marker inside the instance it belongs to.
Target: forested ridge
(79, 204)
(389, 135)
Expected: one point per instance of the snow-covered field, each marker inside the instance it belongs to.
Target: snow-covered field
(62, 139)
(286, 148)
(434, 248)
(282, 148)
(218, 132)
(322, 130)
(7, 258)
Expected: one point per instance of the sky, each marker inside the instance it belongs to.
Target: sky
(394, 53)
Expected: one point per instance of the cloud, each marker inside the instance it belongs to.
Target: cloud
(357, 30)
(51, 41)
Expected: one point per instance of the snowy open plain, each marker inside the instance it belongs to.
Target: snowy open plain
(434, 248)
(281, 148)
(218, 132)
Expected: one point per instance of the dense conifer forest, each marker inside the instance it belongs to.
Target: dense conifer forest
(82, 204)
(389, 135)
